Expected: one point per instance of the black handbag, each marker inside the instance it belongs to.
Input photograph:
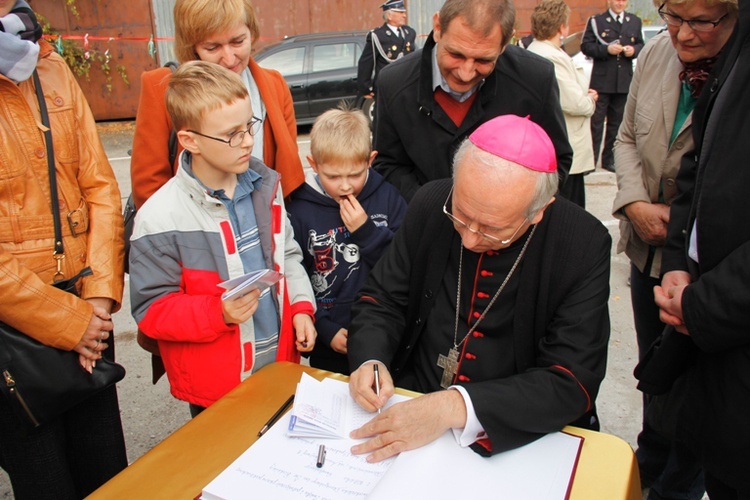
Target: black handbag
(41, 382)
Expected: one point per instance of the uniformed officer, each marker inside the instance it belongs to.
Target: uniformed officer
(384, 44)
(612, 39)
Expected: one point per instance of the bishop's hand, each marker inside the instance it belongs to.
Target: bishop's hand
(362, 386)
(410, 424)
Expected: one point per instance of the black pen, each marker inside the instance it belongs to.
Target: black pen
(377, 381)
(276, 415)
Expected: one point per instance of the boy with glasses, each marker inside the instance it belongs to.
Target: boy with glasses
(220, 217)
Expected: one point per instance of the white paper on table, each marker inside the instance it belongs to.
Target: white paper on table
(319, 410)
(281, 467)
(541, 470)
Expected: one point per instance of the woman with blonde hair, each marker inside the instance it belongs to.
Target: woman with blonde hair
(222, 33)
(549, 25)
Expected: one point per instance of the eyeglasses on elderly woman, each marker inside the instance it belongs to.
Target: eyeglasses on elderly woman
(695, 24)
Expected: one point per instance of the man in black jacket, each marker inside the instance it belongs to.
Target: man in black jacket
(612, 39)
(493, 289)
(704, 292)
(465, 75)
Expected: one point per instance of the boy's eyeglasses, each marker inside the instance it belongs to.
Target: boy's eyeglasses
(695, 24)
(239, 136)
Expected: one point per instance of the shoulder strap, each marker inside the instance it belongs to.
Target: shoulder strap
(376, 43)
(58, 253)
(596, 31)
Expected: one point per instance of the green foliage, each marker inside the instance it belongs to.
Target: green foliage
(80, 60)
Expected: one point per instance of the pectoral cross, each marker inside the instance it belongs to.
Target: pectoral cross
(449, 364)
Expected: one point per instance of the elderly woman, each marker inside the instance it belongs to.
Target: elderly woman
(654, 134)
(221, 32)
(549, 25)
(71, 455)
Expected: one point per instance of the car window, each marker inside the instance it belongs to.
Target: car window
(334, 56)
(287, 62)
(650, 31)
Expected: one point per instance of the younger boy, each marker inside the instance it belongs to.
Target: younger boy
(221, 216)
(344, 217)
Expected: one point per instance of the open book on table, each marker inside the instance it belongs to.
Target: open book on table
(280, 466)
(242, 285)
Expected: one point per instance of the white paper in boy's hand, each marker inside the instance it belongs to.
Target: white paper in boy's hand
(262, 279)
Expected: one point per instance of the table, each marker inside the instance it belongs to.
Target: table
(181, 465)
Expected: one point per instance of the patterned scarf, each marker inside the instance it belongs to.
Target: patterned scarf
(696, 73)
(19, 33)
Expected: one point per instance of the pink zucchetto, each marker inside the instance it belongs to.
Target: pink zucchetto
(518, 140)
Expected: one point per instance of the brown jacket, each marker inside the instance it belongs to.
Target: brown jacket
(87, 189)
(646, 163)
(150, 168)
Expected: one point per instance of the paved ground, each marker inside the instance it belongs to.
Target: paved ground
(149, 412)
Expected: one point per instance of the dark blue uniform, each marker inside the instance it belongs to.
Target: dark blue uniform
(611, 74)
(386, 47)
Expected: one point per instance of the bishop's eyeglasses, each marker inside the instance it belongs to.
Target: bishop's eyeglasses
(459, 223)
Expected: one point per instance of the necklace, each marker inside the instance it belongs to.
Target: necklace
(449, 363)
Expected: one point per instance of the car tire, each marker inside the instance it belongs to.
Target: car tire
(368, 108)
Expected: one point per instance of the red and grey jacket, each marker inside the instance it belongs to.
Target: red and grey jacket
(183, 245)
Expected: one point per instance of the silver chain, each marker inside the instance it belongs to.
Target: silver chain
(497, 294)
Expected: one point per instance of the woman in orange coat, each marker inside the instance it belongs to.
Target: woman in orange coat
(222, 33)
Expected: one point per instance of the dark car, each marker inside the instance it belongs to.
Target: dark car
(320, 69)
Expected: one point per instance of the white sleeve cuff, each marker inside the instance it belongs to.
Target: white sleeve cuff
(473, 431)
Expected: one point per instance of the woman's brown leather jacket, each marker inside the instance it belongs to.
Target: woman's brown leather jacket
(90, 208)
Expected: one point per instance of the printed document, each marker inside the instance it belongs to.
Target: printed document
(280, 466)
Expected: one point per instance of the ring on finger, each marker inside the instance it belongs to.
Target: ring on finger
(101, 335)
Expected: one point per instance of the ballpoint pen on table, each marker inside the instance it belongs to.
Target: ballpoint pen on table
(276, 415)
(377, 380)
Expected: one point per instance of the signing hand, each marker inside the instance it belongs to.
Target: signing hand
(362, 386)
(628, 50)
(240, 309)
(304, 331)
(411, 424)
(649, 221)
(352, 213)
(338, 342)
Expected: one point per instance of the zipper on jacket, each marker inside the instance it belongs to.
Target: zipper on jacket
(11, 383)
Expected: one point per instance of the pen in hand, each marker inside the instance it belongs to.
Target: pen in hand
(276, 415)
(377, 381)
